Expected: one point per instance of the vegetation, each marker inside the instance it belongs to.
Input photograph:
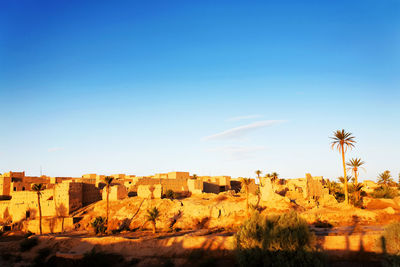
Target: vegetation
(28, 243)
(357, 189)
(152, 216)
(390, 243)
(245, 185)
(385, 178)
(336, 190)
(354, 165)
(283, 240)
(108, 180)
(258, 173)
(343, 140)
(194, 176)
(384, 192)
(38, 188)
(170, 194)
(99, 225)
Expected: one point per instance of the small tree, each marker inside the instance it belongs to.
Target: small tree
(357, 191)
(385, 178)
(99, 225)
(354, 165)
(194, 176)
(38, 188)
(152, 216)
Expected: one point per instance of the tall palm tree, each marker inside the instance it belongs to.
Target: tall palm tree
(343, 140)
(38, 188)
(354, 165)
(108, 180)
(258, 173)
(246, 184)
(385, 178)
(152, 216)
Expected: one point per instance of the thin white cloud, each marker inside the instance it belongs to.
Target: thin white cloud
(248, 117)
(241, 130)
(55, 149)
(238, 152)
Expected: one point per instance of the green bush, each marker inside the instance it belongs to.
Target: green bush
(391, 234)
(384, 192)
(99, 225)
(28, 243)
(283, 240)
(170, 194)
(390, 242)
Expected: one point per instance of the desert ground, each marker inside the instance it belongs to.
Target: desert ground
(200, 231)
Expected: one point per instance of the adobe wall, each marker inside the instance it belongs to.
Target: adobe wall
(195, 186)
(49, 225)
(90, 194)
(149, 191)
(26, 201)
(178, 175)
(117, 192)
(5, 184)
(176, 185)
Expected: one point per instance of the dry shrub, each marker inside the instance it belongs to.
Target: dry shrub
(390, 243)
(283, 240)
(201, 223)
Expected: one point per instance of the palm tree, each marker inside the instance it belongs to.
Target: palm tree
(152, 216)
(341, 179)
(246, 184)
(258, 173)
(38, 188)
(385, 178)
(343, 140)
(354, 164)
(108, 180)
(274, 177)
(357, 187)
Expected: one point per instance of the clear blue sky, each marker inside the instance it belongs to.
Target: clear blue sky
(210, 87)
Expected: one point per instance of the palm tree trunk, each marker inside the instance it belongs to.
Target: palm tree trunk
(356, 177)
(154, 227)
(346, 192)
(108, 192)
(40, 213)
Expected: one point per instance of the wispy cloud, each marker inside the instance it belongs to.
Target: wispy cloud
(55, 149)
(248, 117)
(238, 152)
(241, 130)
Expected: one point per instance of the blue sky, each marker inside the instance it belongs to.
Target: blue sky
(210, 87)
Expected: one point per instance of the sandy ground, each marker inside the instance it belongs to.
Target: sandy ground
(205, 223)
